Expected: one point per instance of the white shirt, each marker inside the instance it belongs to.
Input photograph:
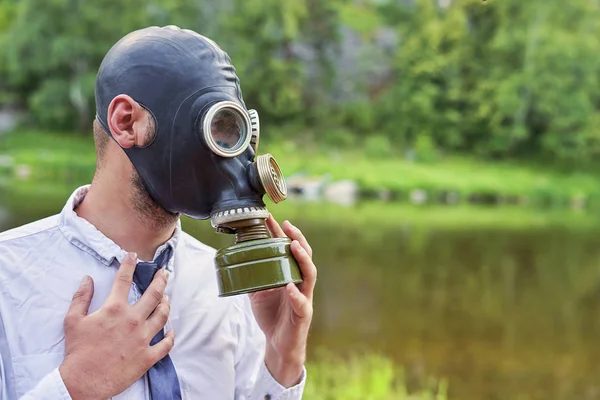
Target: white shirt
(219, 349)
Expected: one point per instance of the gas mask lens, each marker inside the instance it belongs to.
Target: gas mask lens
(226, 129)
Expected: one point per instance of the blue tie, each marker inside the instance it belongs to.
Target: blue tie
(162, 377)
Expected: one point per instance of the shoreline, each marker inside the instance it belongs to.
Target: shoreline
(339, 176)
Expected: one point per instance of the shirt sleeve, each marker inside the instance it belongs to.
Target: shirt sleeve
(267, 387)
(51, 387)
(252, 378)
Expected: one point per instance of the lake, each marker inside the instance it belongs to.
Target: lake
(502, 310)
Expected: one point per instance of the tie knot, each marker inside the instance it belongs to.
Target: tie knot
(145, 271)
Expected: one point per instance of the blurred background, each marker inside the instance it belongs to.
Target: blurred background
(442, 156)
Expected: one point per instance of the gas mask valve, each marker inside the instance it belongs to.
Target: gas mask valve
(271, 178)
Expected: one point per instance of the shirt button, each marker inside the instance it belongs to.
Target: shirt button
(268, 397)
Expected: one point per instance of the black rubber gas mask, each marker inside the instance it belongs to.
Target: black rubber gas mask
(202, 162)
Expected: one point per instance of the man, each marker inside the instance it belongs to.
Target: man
(127, 333)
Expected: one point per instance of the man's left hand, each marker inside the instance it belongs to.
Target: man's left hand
(284, 314)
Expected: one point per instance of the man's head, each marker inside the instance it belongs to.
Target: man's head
(171, 100)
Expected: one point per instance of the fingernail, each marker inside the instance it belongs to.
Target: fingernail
(132, 256)
(166, 274)
(166, 298)
(84, 280)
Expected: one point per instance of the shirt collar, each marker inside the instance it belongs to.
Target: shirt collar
(84, 235)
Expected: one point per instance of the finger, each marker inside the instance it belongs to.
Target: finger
(296, 234)
(153, 295)
(81, 300)
(123, 279)
(159, 317)
(307, 268)
(260, 295)
(274, 227)
(300, 304)
(158, 351)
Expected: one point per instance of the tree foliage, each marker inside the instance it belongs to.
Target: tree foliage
(501, 78)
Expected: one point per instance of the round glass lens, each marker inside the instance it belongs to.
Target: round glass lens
(227, 129)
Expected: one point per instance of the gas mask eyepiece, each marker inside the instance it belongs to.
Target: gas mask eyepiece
(227, 129)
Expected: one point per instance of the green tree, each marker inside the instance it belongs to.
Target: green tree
(506, 79)
(500, 79)
(425, 97)
(52, 49)
(259, 36)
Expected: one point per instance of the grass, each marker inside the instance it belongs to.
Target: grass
(465, 176)
(27, 195)
(369, 377)
(71, 157)
(463, 217)
(51, 156)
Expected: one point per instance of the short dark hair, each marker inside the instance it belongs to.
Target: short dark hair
(101, 139)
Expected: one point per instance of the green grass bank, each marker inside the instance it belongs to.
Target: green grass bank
(370, 377)
(42, 156)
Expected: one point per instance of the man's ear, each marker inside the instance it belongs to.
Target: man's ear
(124, 116)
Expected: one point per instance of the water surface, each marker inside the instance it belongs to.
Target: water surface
(504, 312)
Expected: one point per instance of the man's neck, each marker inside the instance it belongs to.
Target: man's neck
(112, 212)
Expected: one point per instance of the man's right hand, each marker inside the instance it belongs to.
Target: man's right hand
(108, 350)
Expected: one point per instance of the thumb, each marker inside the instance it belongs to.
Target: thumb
(82, 298)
